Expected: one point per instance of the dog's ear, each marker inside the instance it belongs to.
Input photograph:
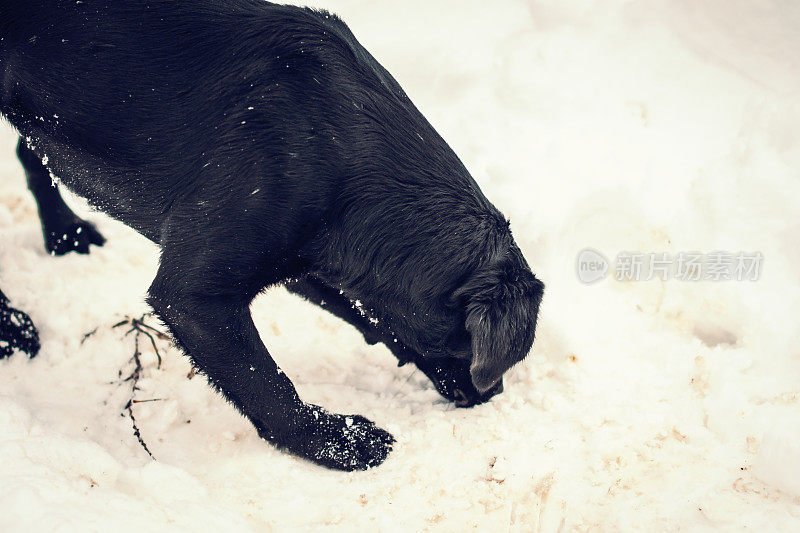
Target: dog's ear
(501, 305)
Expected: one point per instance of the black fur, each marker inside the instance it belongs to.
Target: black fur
(17, 331)
(260, 144)
(62, 229)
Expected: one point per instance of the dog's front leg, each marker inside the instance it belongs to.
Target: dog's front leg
(216, 330)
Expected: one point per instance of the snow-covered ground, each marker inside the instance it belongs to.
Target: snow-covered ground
(658, 126)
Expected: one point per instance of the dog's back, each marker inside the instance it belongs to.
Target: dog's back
(159, 93)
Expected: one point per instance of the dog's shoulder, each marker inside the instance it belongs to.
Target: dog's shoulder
(326, 43)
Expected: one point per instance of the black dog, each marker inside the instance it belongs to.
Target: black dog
(261, 144)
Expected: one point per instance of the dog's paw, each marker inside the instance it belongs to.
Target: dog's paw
(76, 235)
(17, 332)
(452, 379)
(341, 442)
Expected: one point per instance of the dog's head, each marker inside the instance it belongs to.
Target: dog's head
(444, 280)
(470, 335)
(500, 305)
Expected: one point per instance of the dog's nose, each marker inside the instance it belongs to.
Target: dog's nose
(463, 399)
(497, 388)
(494, 391)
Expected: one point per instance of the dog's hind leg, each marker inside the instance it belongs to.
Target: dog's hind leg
(202, 292)
(63, 230)
(450, 377)
(17, 331)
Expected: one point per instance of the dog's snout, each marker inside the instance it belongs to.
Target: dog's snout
(464, 399)
(494, 390)
(497, 389)
(461, 399)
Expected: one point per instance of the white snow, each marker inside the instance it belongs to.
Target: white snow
(617, 126)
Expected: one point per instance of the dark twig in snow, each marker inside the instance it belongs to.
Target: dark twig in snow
(138, 328)
(87, 335)
(137, 370)
(158, 333)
